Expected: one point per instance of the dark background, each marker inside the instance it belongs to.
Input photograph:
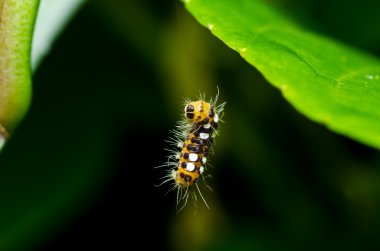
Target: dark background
(78, 174)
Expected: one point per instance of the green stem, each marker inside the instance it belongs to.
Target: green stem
(17, 19)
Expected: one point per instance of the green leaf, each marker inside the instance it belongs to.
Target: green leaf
(16, 26)
(325, 80)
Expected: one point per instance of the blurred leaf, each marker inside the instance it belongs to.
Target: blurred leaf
(65, 153)
(325, 80)
(16, 25)
(51, 19)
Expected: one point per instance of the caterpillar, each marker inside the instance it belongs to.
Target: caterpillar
(193, 139)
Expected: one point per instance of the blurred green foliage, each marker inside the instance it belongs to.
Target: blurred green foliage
(78, 171)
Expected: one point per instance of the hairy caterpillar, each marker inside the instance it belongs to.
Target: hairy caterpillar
(192, 141)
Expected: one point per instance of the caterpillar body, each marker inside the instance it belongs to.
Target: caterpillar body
(193, 140)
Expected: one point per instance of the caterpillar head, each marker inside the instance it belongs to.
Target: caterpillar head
(199, 112)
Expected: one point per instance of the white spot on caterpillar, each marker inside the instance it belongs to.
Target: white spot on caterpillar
(203, 135)
(207, 126)
(216, 118)
(201, 169)
(210, 27)
(180, 144)
(190, 167)
(204, 160)
(193, 157)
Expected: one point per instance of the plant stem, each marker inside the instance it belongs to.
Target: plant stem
(17, 19)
